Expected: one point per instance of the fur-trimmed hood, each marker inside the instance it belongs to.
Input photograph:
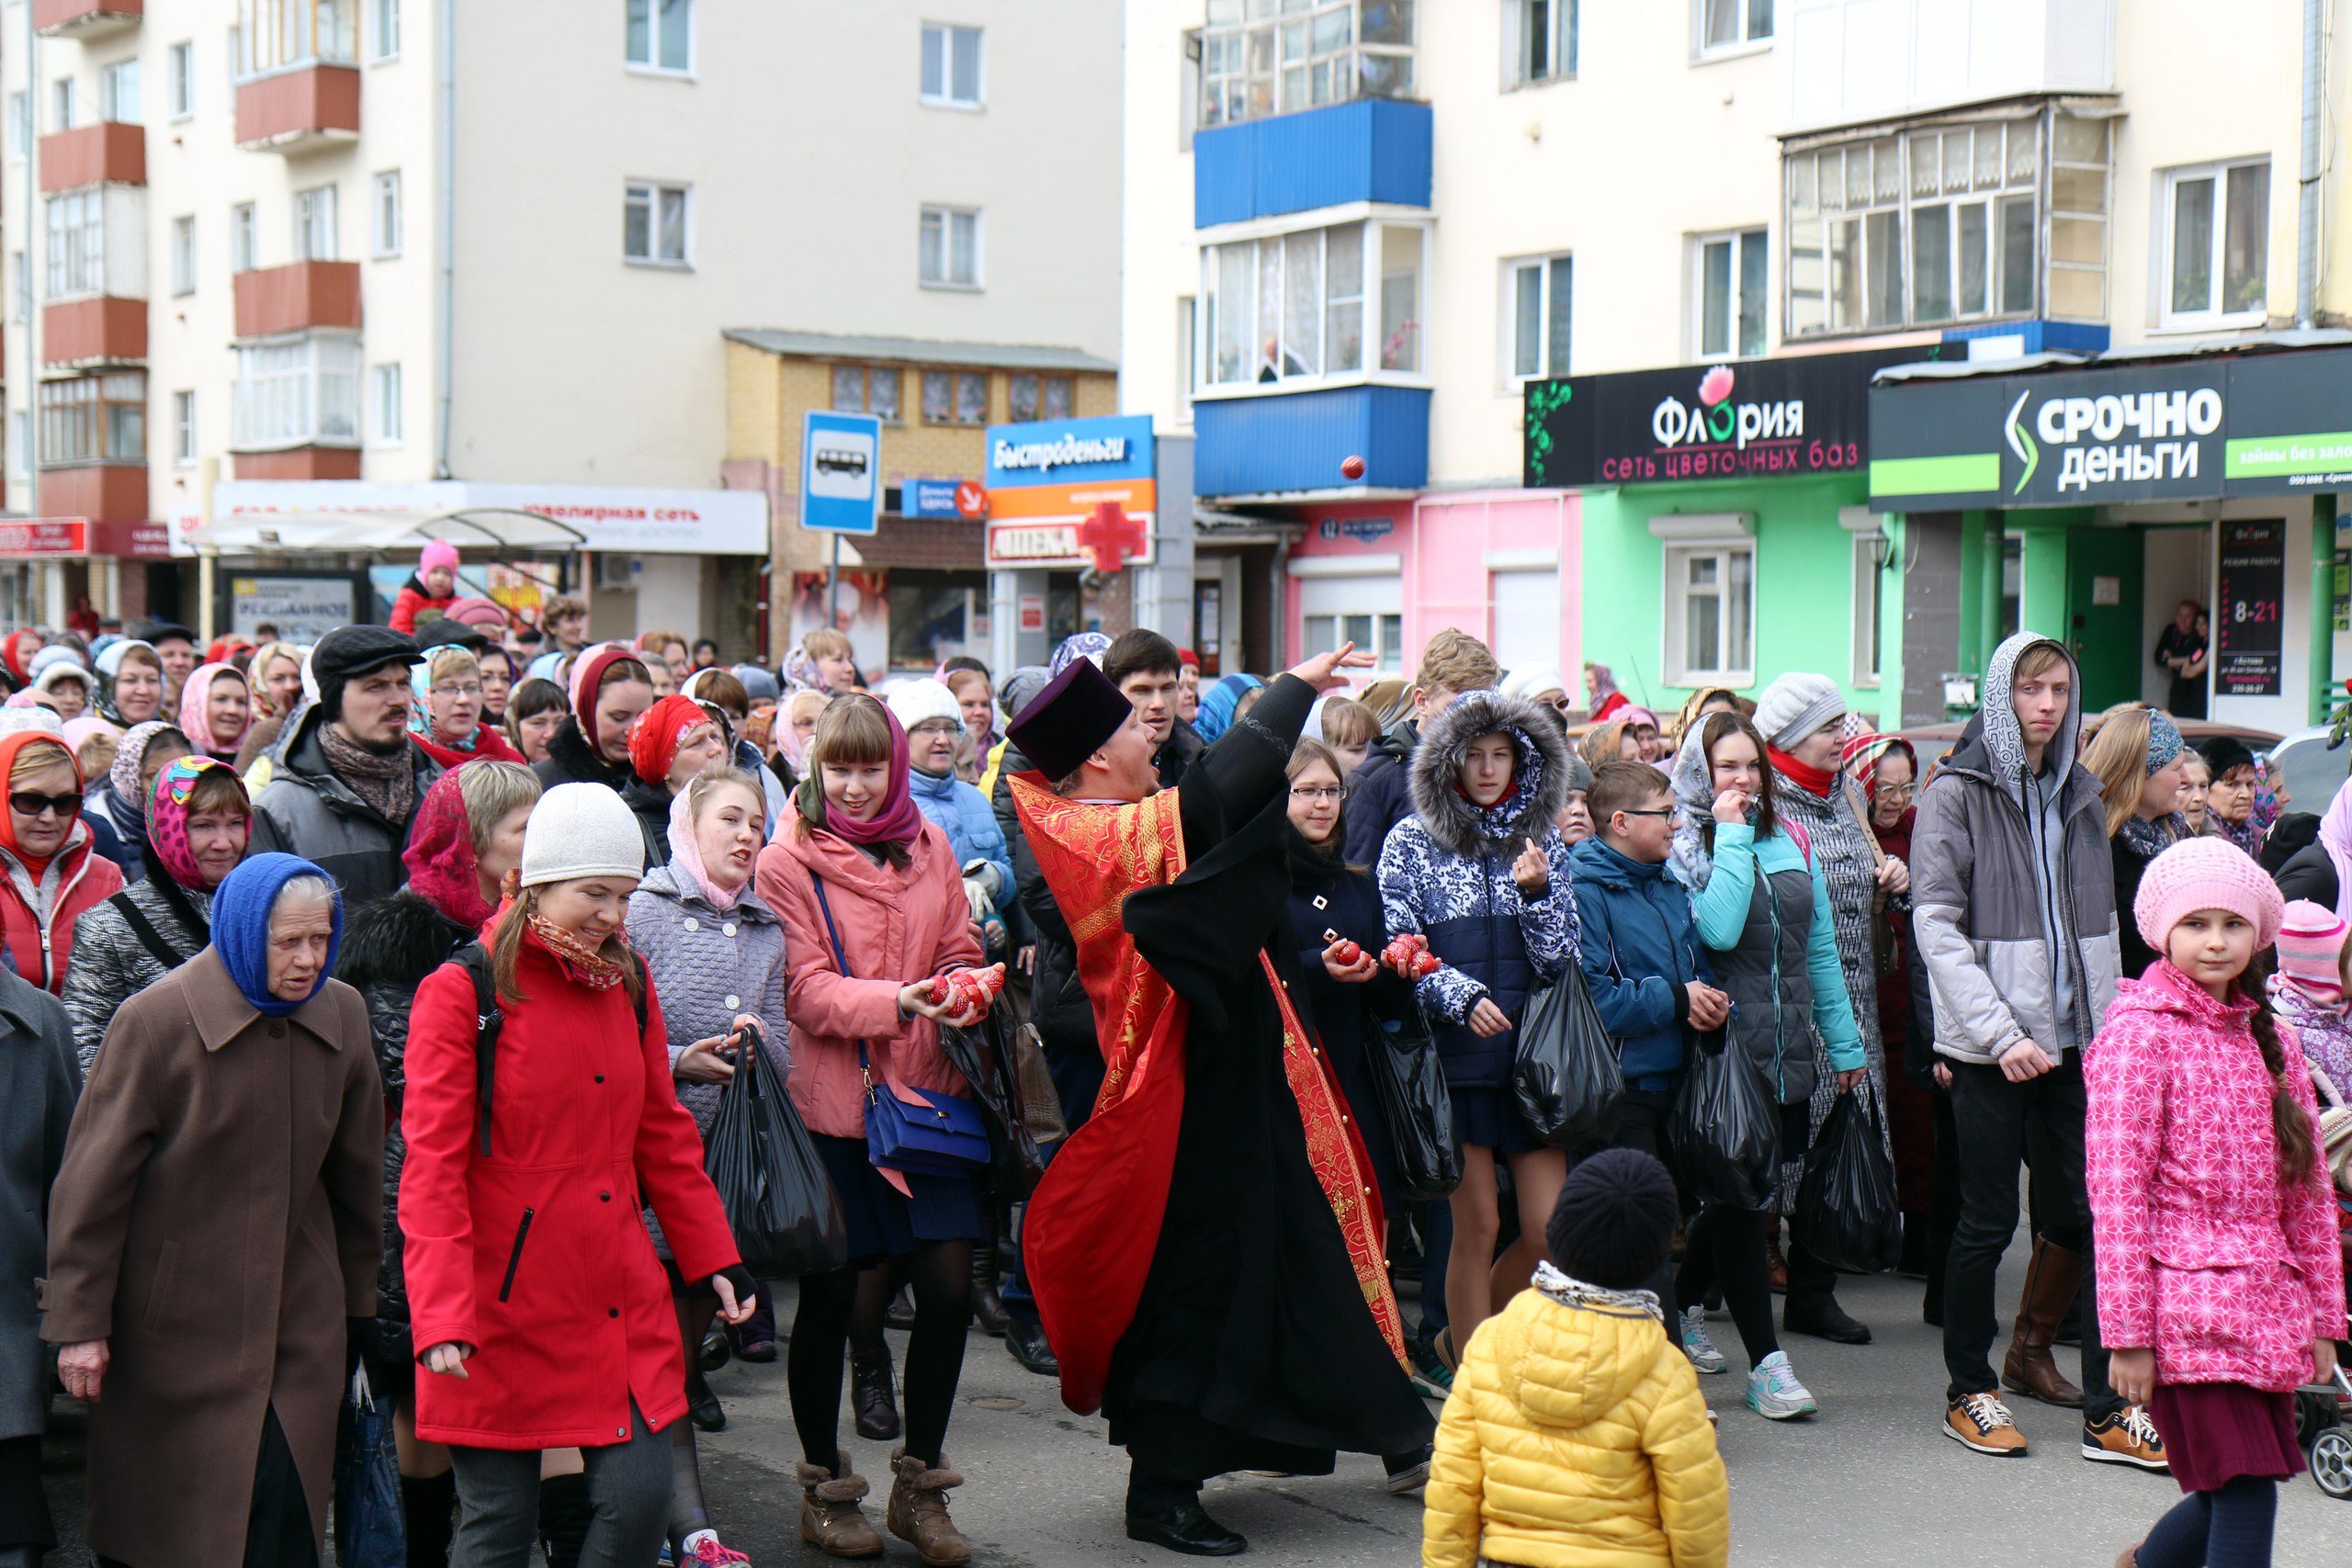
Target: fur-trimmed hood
(1540, 783)
(397, 941)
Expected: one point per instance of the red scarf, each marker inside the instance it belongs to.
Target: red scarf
(1815, 782)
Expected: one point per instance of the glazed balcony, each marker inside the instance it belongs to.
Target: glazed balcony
(100, 331)
(108, 153)
(278, 299)
(85, 19)
(301, 109)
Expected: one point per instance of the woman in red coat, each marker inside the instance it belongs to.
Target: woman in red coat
(534, 1291)
(49, 875)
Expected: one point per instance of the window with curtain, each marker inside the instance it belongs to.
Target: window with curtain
(297, 391)
(1293, 307)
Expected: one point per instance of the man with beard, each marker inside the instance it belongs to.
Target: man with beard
(1206, 1250)
(348, 777)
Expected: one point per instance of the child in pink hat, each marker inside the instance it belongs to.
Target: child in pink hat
(2220, 1282)
(2310, 989)
(429, 594)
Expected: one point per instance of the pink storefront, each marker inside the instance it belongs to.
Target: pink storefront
(1506, 564)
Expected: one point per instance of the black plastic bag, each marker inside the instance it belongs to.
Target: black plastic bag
(370, 1526)
(1401, 1059)
(987, 1054)
(1846, 1210)
(1725, 1129)
(1563, 1070)
(780, 1204)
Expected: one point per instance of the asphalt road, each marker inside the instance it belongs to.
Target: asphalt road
(1869, 1481)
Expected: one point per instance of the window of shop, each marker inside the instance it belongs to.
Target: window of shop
(653, 223)
(932, 617)
(867, 388)
(661, 35)
(1368, 611)
(1727, 284)
(2217, 243)
(1710, 612)
(1255, 62)
(297, 391)
(1538, 294)
(118, 92)
(278, 35)
(93, 419)
(1289, 309)
(1539, 42)
(1870, 590)
(955, 396)
(77, 250)
(1943, 223)
(951, 66)
(949, 248)
(1720, 27)
(1034, 398)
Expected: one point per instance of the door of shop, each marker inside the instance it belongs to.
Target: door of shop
(2103, 613)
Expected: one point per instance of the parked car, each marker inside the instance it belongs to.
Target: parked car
(2304, 770)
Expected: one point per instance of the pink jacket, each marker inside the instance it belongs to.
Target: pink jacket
(895, 927)
(2204, 1254)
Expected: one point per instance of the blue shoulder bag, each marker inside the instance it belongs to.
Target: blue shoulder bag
(941, 1136)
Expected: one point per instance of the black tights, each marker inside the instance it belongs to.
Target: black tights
(941, 1275)
(2230, 1527)
(688, 1511)
(1726, 1248)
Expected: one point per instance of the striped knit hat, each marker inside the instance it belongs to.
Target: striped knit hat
(2310, 943)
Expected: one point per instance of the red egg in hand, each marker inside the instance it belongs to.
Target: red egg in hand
(1352, 466)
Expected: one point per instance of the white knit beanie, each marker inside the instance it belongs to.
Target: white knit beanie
(582, 830)
(1795, 706)
(914, 702)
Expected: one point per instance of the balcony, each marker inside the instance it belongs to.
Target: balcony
(85, 19)
(1371, 150)
(301, 109)
(278, 299)
(1271, 445)
(1856, 61)
(104, 154)
(102, 492)
(298, 463)
(101, 331)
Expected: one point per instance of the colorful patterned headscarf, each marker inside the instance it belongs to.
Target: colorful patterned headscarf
(167, 817)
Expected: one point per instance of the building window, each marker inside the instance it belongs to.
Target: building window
(1944, 224)
(118, 92)
(244, 238)
(1542, 291)
(184, 429)
(385, 213)
(184, 255)
(653, 225)
(1710, 613)
(951, 65)
(384, 392)
(297, 391)
(1317, 52)
(661, 35)
(1869, 588)
(60, 104)
(280, 35)
(179, 79)
(1292, 306)
(950, 248)
(315, 224)
(93, 419)
(1541, 36)
(1188, 357)
(1032, 398)
(867, 388)
(20, 440)
(384, 38)
(77, 252)
(1725, 25)
(1380, 635)
(1728, 282)
(955, 396)
(20, 125)
(2217, 243)
(20, 298)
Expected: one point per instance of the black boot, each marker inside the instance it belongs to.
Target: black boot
(428, 1509)
(1168, 1513)
(1025, 1339)
(901, 1313)
(702, 1405)
(564, 1513)
(988, 1304)
(871, 1397)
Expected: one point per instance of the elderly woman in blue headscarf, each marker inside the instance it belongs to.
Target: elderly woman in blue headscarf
(215, 1230)
(1223, 705)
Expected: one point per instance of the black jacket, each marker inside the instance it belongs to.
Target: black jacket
(570, 761)
(2310, 872)
(307, 810)
(1381, 795)
(1059, 1005)
(651, 804)
(1175, 754)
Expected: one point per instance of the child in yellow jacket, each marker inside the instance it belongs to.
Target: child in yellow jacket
(1574, 1437)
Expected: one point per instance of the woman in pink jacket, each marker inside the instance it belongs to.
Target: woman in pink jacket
(2221, 1289)
(873, 909)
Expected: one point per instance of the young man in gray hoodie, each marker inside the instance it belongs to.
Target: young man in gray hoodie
(2013, 893)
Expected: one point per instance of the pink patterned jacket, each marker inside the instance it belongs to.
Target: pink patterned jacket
(2203, 1252)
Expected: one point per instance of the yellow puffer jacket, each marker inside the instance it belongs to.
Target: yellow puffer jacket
(1575, 1439)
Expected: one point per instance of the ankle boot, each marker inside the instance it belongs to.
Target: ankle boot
(564, 1513)
(831, 1519)
(988, 1303)
(428, 1509)
(901, 1313)
(918, 1511)
(871, 1397)
(2053, 1276)
(1776, 1266)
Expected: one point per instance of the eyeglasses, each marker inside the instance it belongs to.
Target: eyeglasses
(24, 803)
(1897, 791)
(1320, 791)
(467, 691)
(1656, 811)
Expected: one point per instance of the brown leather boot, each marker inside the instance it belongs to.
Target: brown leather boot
(988, 1300)
(2051, 1277)
(831, 1519)
(918, 1511)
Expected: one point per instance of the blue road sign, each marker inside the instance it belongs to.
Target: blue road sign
(841, 458)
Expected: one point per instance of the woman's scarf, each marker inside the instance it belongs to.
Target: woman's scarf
(543, 668)
(659, 730)
(442, 868)
(1218, 702)
(587, 680)
(584, 964)
(1862, 751)
(900, 821)
(1077, 646)
(127, 808)
(1815, 782)
(2335, 836)
(195, 721)
(1693, 780)
(240, 910)
(686, 856)
(801, 674)
(11, 747)
(419, 712)
(13, 653)
(167, 843)
(2150, 837)
(1574, 1292)
(257, 671)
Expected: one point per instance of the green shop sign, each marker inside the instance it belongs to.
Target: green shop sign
(2218, 426)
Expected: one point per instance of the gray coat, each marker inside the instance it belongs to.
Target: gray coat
(38, 1085)
(307, 810)
(111, 964)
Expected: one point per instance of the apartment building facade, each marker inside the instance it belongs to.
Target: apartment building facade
(277, 263)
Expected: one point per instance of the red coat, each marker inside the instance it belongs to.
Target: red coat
(489, 746)
(84, 878)
(412, 601)
(537, 1255)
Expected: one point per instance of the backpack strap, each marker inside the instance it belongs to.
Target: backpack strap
(489, 1021)
(144, 929)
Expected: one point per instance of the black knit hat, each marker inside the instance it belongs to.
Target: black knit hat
(1071, 720)
(1614, 1223)
(2222, 753)
(347, 653)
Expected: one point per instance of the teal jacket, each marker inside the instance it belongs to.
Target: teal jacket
(1720, 908)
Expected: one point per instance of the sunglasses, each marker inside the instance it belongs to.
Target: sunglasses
(24, 803)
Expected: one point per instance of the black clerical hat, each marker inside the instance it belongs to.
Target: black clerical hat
(1070, 720)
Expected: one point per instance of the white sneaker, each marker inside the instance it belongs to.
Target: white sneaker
(1774, 1393)
(1697, 1346)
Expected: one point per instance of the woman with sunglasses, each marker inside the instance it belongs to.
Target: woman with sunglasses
(53, 874)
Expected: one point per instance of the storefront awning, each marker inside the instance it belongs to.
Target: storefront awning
(363, 515)
(499, 528)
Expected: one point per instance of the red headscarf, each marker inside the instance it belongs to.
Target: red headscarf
(442, 868)
(10, 747)
(13, 653)
(654, 740)
(588, 679)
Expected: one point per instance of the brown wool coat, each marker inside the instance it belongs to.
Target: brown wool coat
(219, 1216)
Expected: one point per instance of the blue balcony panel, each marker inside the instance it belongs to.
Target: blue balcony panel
(1371, 150)
(1296, 441)
(2033, 337)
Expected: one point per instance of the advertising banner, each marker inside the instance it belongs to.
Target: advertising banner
(1071, 493)
(2248, 614)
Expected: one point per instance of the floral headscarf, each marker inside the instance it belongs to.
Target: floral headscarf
(123, 777)
(420, 712)
(167, 842)
(195, 721)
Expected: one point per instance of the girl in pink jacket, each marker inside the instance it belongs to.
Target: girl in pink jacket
(2221, 1289)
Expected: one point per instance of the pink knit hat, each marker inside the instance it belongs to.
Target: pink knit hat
(2310, 943)
(440, 552)
(2206, 873)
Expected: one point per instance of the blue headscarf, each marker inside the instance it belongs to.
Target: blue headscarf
(240, 908)
(543, 667)
(1220, 701)
(1077, 646)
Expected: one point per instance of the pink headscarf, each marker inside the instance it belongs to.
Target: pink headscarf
(2336, 833)
(194, 722)
(900, 821)
(685, 855)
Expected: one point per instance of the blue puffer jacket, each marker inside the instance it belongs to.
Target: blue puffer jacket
(963, 813)
(1640, 949)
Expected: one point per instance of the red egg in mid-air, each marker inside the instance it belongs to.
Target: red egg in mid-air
(1352, 466)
